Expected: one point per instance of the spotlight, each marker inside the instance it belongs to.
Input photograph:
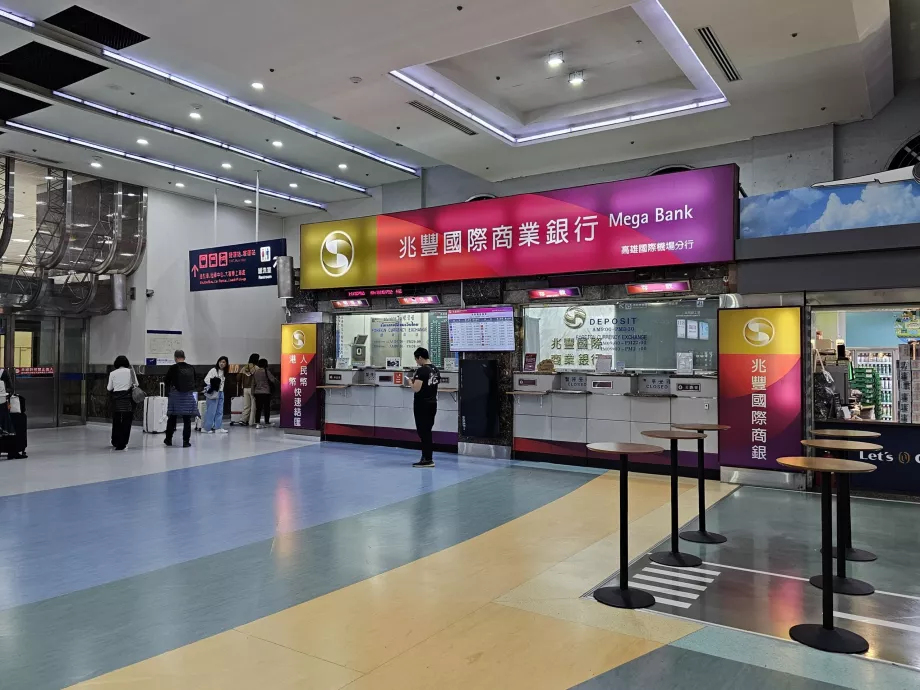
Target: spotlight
(555, 59)
(180, 185)
(226, 166)
(195, 115)
(142, 142)
(277, 144)
(343, 166)
(258, 86)
(577, 78)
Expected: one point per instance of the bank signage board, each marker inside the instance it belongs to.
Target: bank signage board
(235, 265)
(299, 370)
(760, 386)
(688, 217)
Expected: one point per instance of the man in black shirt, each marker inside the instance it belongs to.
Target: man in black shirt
(180, 387)
(425, 405)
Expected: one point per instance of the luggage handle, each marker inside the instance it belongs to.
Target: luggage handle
(162, 390)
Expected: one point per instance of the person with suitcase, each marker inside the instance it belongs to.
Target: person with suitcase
(180, 384)
(6, 390)
(120, 385)
(214, 394)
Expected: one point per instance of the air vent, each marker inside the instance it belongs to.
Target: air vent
(718, 53)
(907, 154)
(442, 117)
(96, 28)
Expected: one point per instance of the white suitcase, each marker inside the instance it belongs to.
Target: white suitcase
(236, 410)
(202, 411)
(155, 412)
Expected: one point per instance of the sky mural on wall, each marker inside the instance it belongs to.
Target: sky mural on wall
(823, 209)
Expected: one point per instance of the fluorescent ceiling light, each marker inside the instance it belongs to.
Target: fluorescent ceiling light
(16, 18)
(159, 163)
(277, 144)
(142, 142)
(258, 86)
(134, 63)
(226, 166)
(19, 215)
(18, 239)
(343, 166)
(197, 87)
(180, 185)
(195, 115)
(48, 177)
(555, 59)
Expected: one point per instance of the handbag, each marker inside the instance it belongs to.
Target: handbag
(137, 395)
(15, 405)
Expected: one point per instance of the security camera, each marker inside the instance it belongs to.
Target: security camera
(149, 293)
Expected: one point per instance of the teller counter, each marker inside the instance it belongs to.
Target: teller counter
(377, 404)
(558, 414)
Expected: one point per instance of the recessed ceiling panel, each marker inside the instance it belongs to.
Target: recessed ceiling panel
(95, 27)
(44, 66)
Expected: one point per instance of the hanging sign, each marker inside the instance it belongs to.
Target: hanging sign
(235, 266)
(760, 386)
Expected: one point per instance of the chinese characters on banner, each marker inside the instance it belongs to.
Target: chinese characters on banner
(299, 371)
(760, 386)
(683, 218)
(233, 266)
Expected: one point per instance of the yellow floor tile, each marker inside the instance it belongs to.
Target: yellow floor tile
(229, 661)
(501, 648)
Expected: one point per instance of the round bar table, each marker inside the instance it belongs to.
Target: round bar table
(852, 435)
(624, 597)
(674, 557)
(702, 536)
(842, 583)
(825, 636)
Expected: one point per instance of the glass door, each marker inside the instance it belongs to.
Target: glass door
(35, 353)
(71, 372)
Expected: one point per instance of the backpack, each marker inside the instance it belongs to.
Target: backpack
(214, 384)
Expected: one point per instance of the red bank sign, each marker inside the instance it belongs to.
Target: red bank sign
(683, 218)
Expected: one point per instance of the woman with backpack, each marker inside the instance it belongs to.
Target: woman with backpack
(121, 384)
(214, 394)
(262, 381)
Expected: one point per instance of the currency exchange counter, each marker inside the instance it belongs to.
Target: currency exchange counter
(556, 415)
(377, 404)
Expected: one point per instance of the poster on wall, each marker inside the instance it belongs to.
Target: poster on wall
(760, 386)
(161, 347)
(684, 218)
(299, 371)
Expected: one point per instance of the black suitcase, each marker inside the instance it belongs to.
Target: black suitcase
(17, 444)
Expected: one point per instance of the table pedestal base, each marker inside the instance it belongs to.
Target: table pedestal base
(857, 555)
(676, 559)
(701, 537)
(833, 640)
(844, 585)
(629, 598)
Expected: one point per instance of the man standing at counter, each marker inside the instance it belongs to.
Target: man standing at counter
(425, 404)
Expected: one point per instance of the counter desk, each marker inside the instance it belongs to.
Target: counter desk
(558, 414)
(377, 404)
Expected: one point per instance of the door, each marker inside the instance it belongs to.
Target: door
(35, 353)
(70, 374)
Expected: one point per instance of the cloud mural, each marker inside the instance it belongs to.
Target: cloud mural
(824, 209)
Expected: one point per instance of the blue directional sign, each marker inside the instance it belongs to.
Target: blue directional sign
(236, 265)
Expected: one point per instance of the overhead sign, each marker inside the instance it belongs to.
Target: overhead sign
(299, 369)
(235, 266)
(760, 386)
(553, 293)
(350, 303)
(652, 288)
(419, 299)
(684, 218)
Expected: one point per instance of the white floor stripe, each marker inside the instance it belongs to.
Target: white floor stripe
(671, 602)
(876, 621)
(672, 583)
(699, 571)
(682, 576)
(759, 572)
(663, 590)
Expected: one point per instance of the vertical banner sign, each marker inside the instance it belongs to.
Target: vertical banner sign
(299, 372)
(760, 386)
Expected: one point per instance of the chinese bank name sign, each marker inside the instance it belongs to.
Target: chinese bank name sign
(299, 371)
(236, 265)
(683, 218)
(760, 386)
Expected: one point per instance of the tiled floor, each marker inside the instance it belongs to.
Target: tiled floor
(255, 560)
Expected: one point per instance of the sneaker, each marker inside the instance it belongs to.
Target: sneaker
(167, 441)
(186, 445)
(211, 431)
(222, 431)
(423, 463)
(259, 426)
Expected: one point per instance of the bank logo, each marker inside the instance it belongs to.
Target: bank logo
(299, 340)
(758, 332)
(575, 317)
(337, 254)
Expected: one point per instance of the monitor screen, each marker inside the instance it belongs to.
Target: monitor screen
(481, 329)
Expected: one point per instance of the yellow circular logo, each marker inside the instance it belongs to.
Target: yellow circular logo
(336, 254)
(758, 332)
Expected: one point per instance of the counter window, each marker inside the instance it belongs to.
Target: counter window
(638, 335)
(373, 339)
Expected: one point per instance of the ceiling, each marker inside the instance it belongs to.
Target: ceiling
(802, 64)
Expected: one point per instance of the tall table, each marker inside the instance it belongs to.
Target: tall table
(841, 583)
(851, 554)
(702, 536)
(674, 557)
(825, 636)
(624, 597)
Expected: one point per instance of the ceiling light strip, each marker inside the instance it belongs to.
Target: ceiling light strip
(172, 78)
(162, 164)
(16, 18)
(215, 142)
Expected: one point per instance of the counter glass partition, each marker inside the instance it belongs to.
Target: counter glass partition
(376, 339)
(640, 335)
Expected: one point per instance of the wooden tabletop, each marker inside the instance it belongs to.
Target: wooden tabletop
(846, 433)
(673, 435)
(624, 448)
(826, 465)
(702, 427)
(839, 444)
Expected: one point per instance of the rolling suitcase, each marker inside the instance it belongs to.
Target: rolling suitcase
(155, 408)
(15, 446)
(202, 411)
(236, 410)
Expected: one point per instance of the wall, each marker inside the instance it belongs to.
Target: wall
(871, 328)
(234, 323)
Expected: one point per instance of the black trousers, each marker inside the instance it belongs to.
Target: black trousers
(186, 428)
(263, 404)
(121, 428)
(424, 421)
